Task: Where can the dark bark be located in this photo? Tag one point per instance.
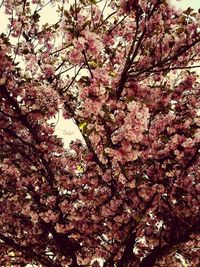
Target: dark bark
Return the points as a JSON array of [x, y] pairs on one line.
[[159, 251], [26, 250]]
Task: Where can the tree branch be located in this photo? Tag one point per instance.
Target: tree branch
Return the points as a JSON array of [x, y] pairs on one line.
[[158, 252], [132, 53], [28, 252], [161, 63]]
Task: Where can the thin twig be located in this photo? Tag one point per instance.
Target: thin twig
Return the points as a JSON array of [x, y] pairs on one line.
[[86, 62], [72, 81]]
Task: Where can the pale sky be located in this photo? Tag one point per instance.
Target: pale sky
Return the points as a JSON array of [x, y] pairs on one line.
[[184, 4]]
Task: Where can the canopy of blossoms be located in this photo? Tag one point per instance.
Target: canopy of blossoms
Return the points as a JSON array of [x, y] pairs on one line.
[[128, 196]]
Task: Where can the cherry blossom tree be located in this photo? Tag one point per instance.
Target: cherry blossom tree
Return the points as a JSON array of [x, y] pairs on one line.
[[128, 195]]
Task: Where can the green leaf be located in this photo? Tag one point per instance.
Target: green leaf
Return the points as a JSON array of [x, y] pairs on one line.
[[138, 218], [180, 30], [82, 125], [194, 14], [188, 11], [92, 64], [93, 2], [36, 17], [83, 2], [112, 74], [80, 169]]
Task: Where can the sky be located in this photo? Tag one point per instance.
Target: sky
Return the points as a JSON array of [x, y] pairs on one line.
[[66, 129], [184, 4]]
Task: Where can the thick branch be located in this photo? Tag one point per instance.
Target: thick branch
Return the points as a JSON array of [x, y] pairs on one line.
[[133, 52], [28, 252], [49, 175], [158, 252], [134, 73]]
